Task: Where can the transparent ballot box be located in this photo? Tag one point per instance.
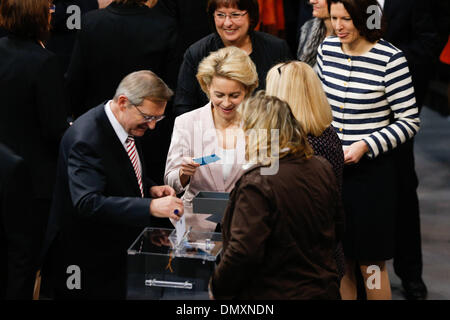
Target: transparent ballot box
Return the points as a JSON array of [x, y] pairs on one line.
[[162, 266]]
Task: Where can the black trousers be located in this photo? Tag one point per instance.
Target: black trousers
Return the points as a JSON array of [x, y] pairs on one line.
[[408, 249]]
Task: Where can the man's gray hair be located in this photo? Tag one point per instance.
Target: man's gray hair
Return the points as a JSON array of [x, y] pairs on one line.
[[141, 85]]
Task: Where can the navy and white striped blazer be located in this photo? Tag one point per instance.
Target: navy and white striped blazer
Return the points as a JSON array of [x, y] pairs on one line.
[[371, 95]]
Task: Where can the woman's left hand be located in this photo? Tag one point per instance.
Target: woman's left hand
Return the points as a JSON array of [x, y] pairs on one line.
[[354, 153]]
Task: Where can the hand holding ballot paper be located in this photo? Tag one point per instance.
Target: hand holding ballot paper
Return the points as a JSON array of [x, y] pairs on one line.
[[207, 159], [190, 165]]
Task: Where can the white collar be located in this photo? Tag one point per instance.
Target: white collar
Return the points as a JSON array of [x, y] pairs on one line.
[[118, 129]]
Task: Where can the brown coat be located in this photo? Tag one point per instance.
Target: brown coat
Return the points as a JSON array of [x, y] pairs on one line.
[[279, 234]]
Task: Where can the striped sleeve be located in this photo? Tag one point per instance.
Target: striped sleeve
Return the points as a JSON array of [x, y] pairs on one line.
[[400, 96], [319, 63]]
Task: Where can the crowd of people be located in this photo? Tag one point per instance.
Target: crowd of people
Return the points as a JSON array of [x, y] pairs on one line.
[[101, 126]]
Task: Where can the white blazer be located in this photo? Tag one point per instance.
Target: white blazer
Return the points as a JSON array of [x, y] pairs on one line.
[[194, 135]]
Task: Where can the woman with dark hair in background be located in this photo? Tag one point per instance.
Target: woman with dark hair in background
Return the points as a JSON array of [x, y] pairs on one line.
[[369, 88], [33, 113], [234, 22]]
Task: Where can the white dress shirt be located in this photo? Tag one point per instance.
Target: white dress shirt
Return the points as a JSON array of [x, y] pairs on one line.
[[119, 130]]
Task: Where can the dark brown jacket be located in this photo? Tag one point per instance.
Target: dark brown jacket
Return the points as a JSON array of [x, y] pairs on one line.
[[279, 234]]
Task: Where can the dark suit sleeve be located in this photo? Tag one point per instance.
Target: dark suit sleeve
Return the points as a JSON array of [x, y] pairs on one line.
[[19, 236], [186, 98], [88, 190], [50, 100], [150, 183]]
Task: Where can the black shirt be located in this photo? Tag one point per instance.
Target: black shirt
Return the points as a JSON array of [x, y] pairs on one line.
[[267, 51], [329, 146]]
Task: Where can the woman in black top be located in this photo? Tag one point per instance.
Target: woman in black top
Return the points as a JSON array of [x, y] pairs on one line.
[[234, 23]]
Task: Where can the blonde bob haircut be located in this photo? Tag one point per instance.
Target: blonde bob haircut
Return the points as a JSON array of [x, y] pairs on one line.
[[231, 63], [267, 121], [296, 83]]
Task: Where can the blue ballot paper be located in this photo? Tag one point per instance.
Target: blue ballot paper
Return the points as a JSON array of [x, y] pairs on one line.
[[207, 159]]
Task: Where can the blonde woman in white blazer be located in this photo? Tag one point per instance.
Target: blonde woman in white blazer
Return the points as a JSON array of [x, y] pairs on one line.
[[227, 76]]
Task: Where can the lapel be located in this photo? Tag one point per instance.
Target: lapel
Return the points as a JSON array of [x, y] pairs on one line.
[[117, 153], [209, 146], [236, 170]]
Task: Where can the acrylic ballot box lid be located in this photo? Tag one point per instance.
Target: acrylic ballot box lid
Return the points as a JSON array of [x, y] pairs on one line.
[[214, 203], [195, 245]]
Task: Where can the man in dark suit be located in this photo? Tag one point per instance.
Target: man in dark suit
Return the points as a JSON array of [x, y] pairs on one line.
[[18, 264], [411, 28], [102, 199]]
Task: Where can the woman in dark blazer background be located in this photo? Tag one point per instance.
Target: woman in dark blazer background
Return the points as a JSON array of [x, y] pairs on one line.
[[33, 113]]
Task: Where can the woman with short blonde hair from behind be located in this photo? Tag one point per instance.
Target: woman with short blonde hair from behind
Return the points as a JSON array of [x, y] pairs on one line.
[[297, 83]]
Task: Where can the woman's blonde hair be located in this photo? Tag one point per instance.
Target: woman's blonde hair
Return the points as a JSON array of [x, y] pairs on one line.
[[268, 121], [296, 83], [230, 63]]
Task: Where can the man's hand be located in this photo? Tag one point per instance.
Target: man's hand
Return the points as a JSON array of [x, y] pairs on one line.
[[354, 153], [104, 3], [162, 191], [167, 207]]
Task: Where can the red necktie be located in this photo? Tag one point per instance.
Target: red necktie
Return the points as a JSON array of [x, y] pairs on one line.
[[133, 155]]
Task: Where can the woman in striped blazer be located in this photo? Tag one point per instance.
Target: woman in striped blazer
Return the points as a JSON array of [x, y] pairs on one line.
[[369, 88]]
